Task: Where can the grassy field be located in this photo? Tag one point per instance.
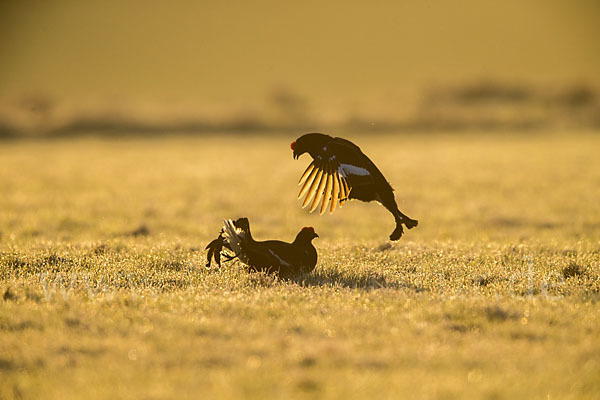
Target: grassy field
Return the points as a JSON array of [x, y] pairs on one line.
[[494, 295]]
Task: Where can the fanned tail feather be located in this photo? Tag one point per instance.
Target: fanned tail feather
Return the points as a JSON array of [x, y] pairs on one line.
[[233, 235]]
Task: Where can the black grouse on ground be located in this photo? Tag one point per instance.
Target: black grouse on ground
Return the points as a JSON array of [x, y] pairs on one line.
[[274, 256], [340, 171]]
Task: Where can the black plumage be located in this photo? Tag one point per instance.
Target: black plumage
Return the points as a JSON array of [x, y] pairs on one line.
[[340, 171], [273, 256]]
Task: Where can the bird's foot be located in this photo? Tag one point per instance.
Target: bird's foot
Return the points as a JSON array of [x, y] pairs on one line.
[[397, 234], [410, 223]]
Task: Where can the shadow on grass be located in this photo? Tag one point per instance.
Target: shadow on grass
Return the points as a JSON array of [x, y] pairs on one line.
[[370, 281]]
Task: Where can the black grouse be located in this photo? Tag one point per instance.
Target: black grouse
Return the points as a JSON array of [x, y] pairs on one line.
[[340, 171], [272, 256]]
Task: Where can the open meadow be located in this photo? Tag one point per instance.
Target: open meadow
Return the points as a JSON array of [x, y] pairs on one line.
[[104, 292]]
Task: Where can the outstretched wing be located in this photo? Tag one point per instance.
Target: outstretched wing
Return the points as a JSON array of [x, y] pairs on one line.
[[329, 178]]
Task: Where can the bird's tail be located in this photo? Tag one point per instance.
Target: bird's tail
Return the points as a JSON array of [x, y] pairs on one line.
[[233, 235], [214, 251]]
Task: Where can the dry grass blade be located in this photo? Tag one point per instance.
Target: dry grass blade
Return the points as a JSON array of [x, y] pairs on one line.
[[492, 281]]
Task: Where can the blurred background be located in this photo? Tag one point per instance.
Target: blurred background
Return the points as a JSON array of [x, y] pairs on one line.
[[114, 67]]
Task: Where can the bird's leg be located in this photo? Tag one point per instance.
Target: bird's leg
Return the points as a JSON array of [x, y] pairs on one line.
[[389, 202], [406, 220]]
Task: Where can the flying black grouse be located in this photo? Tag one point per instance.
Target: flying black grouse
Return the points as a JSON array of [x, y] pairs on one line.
[[340, 171], [286, 259]]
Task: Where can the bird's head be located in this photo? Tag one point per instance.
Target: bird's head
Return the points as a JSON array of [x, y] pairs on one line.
[[308, 232], [297, 152], [307, 143]]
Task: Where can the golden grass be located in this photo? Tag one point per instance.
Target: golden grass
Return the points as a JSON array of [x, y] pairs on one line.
[[494, 295]]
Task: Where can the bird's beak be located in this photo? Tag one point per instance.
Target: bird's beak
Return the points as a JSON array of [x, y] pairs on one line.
[[316, 234]]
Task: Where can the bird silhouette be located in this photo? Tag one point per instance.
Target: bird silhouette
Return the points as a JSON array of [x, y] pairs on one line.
[[271, 256], [339, 172]]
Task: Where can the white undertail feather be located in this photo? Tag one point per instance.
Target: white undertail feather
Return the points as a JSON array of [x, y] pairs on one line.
[[233, 235]]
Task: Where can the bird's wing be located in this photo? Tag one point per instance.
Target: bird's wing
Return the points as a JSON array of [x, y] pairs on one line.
[[335, 169], [268, 254]]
